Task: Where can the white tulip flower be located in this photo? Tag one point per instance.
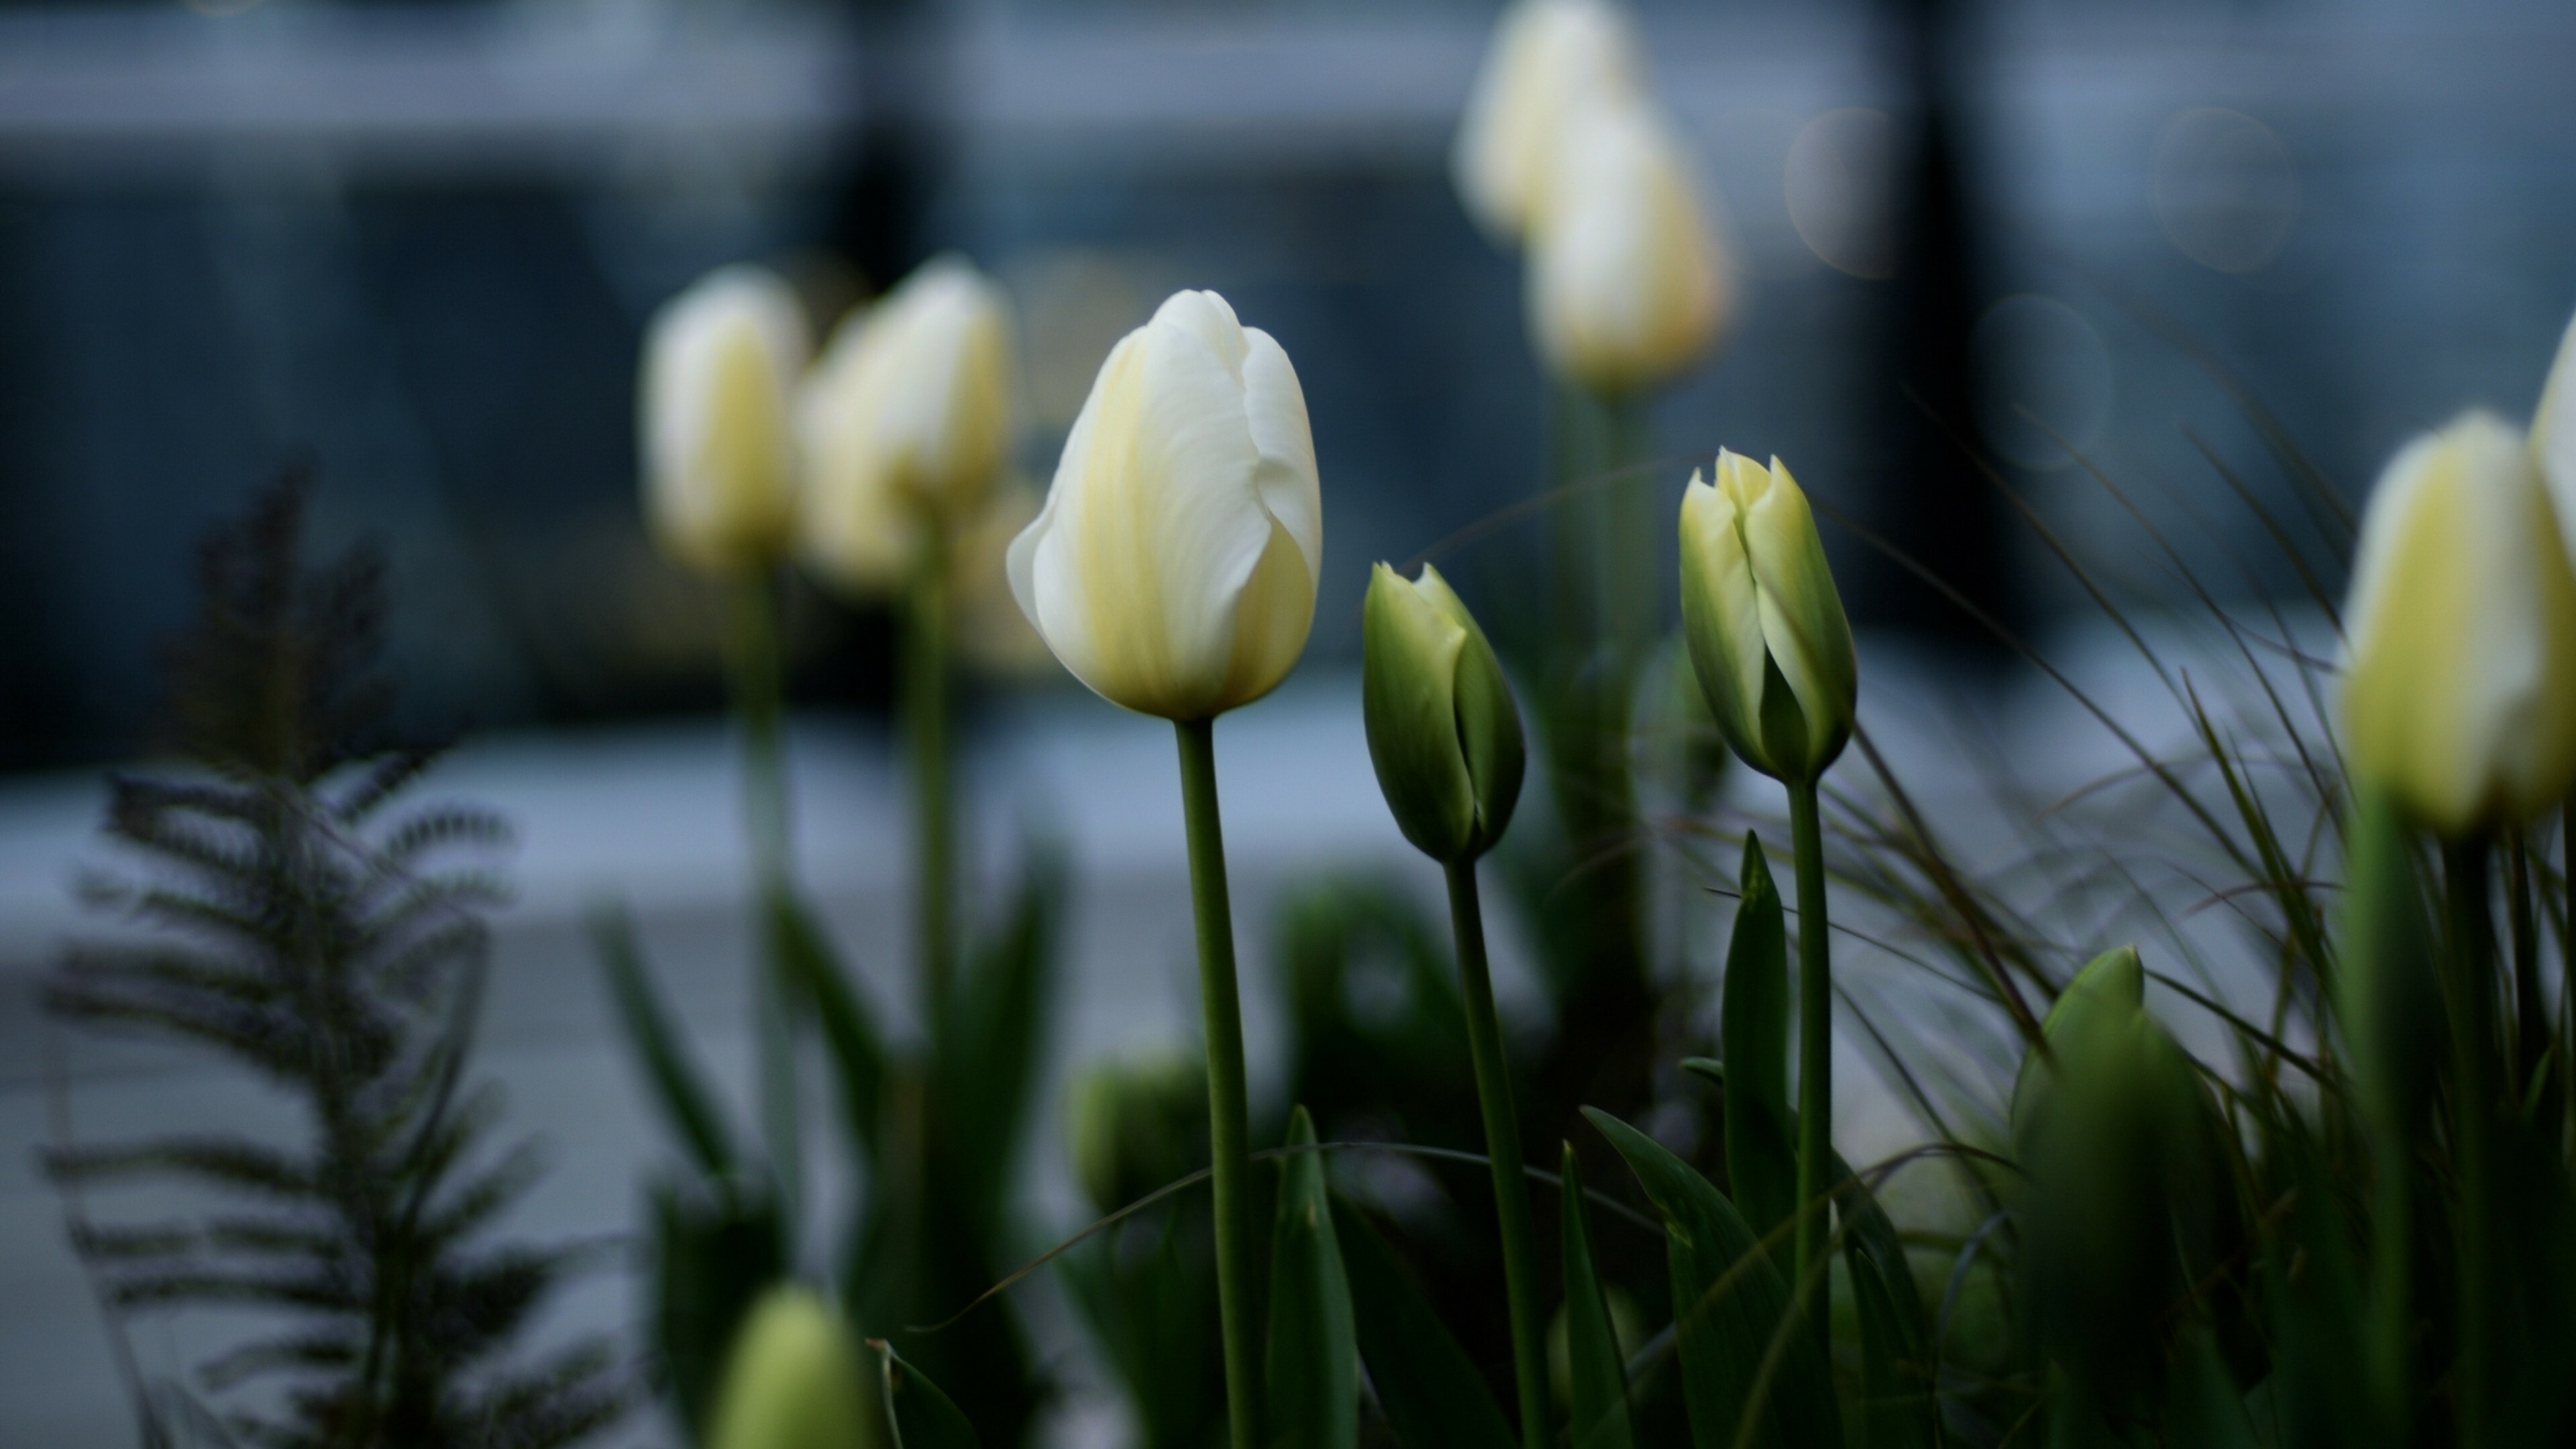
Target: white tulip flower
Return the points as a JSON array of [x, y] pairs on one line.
[[905, 423], [1759, 609], [1548, 59], [2460, 684], [1173, 567], [720, 361], [1627, 282]]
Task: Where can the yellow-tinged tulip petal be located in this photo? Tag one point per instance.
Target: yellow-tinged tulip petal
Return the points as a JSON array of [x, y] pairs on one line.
[[1443, 732], [905, 422], [2460, 687], [719, 452], [1767, 633], [1173, 568], [2553, 435], [1627, 283], [1547, 59], [791, 1379]]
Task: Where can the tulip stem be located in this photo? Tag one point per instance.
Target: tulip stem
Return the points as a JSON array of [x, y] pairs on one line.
[[1228, 1130], [2471, 955], [1815, 1034], [759, 706], [925, 704], [1503, 1153]]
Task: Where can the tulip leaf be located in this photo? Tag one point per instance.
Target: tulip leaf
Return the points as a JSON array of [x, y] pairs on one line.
[[989, 1053], [2203, 1408], [1750, 1376], [1427, 1384], [918, 1415], [1313, 1360], [2317, 1312], [812, 973], [1761, 1161], [2385, 997], [678, 1086], [1596, 1380], [1897, 1408]]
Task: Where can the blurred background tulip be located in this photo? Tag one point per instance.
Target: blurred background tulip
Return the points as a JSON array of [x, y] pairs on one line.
[[721, 363], [906, 421], [1173, 567], [1547, 63], [2461, 690], [1627, 283]]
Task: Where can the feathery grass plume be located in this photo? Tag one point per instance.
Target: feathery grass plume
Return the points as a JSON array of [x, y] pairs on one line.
[[293, 922]]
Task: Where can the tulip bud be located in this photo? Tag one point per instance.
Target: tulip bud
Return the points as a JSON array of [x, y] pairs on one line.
[[2459, 690], [905, 423], [1766, 628], [1548, 59], [1627, 285], [720, 360], [2553, 435], [1442, 729], [1173, 568], [791, 1380]]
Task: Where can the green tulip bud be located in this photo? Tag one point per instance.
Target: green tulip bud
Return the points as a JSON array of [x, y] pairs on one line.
[[791, 1380], [1766, 628], [1442, 729]]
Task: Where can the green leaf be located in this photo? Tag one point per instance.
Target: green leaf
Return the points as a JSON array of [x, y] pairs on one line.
[[2203, 1408], [1596, 1381], [1430, 1389], [1761, 1160], [678, 1086], [989, 1049], [2318, 1315], [1313, 1362], [1750, 1376], [811, 972], [1897, 1410], [918, 1415]]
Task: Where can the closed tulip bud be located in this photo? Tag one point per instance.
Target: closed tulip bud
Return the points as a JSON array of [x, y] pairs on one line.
[[1173, 567], [1767, 634], [905, 423], [1547, 59], [2459, 691], [720, 364], [791, 1379], [1627, 285], [2553, 435], [1442, 729]]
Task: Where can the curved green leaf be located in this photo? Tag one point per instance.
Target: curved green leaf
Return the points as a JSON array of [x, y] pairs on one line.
[[1596, 1381], [1313, 1362], [677, 1084], [918, 1415], [1749, 1376], [1430, 1389], [1753, 1031]]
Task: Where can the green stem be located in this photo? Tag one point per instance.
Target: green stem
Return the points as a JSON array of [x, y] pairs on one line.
[[926, 734], [759, 708], [1228, 1131], [1632, 581], [2393, 1264], [1815, 1033], [1503, 1152], [2469, 957]]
